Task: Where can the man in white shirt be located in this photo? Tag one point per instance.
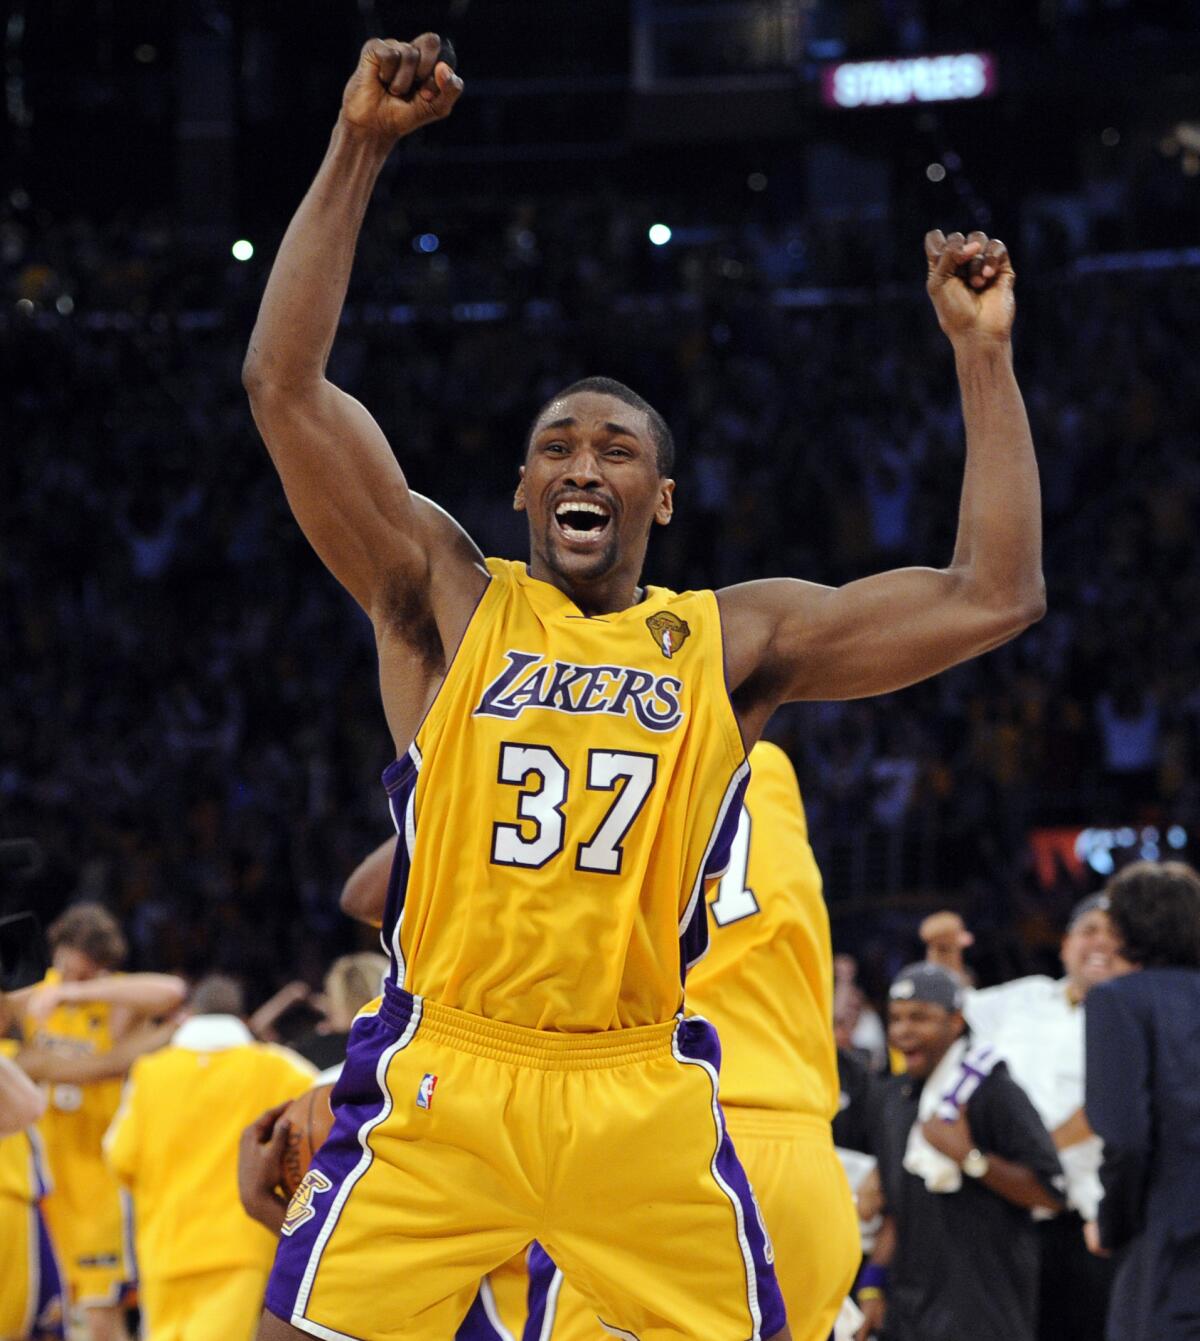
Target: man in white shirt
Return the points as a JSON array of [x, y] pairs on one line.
[[1036, 1025]]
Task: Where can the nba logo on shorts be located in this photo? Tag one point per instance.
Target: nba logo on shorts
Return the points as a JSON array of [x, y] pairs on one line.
[[425, 1091]]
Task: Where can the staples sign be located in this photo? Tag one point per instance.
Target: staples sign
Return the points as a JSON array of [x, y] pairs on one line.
[[893, 83]]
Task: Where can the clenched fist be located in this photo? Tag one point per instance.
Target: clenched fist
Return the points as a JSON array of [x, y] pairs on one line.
[[971, 285], [399, 87]]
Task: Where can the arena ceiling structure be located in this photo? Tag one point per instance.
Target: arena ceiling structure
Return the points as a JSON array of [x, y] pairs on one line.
[[865, 116]]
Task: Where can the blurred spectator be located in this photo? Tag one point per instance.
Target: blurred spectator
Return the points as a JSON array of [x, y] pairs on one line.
[[857, 1027], [1037, 1025], [1143, 1098], [352, 981]]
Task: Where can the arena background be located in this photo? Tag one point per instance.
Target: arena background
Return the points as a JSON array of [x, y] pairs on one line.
[[668, 193]]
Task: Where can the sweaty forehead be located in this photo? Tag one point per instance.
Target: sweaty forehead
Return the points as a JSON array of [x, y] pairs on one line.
[[592, 410]]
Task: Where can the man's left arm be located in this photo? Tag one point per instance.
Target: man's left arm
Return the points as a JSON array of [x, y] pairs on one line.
[[364, 895], [1002, 1123], [786, 639]]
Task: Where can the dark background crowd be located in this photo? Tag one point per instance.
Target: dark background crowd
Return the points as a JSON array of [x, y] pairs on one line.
[[189, 725]]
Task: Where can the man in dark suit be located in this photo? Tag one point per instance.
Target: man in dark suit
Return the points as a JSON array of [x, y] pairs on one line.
[[1143, 1099]]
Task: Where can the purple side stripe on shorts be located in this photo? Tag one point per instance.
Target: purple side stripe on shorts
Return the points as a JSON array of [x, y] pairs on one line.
[[480, 1324], [49, 1306], [360, 1102], [545, 1279], [696, 1043]]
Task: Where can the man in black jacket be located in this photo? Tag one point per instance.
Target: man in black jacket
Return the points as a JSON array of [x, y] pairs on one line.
[[1143, 1098], [965, 1160]]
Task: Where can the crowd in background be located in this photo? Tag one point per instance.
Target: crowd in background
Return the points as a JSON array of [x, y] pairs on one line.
[[192, 731]]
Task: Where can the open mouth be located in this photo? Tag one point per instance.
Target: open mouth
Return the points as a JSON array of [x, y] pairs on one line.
[[582, 522]]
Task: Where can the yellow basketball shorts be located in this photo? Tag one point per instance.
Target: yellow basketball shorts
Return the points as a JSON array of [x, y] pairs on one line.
[[458, 1140], [218, 1305], [87, 1227], [806, 1203], [30, 1285], [501, 1306]]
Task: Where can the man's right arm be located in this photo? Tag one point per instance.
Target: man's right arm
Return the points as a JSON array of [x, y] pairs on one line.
[[21, 1102], [342, 481]]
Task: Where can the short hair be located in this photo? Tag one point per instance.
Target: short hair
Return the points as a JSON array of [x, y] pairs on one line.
[[92, 930], [664, 441], [353, 980], [218, 994], [1155, 907]]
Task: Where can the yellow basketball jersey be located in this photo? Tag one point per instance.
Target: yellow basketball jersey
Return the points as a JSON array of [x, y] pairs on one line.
[[77, 1116], [573, 784], [174, 1144], [23, 1173], [767, 981]]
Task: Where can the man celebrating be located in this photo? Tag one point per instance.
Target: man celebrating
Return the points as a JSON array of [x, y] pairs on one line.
[[83, 1011], [571, 761], [965, 1159]]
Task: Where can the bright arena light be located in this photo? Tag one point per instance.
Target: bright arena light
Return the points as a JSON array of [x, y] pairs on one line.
[[426, 243], [659, 234], [242, 250]]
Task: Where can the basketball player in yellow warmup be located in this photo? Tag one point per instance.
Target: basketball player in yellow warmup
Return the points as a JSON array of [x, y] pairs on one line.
[[202, 1262], [767, 984], [571, 760], [31, 1303], [31, 1292], [82, 1009]]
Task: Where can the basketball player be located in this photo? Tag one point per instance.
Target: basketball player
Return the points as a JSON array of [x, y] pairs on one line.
[[30, 1283], [571, 763], [82, 1009], [767, 984], [31, 1294], [202, 1262]]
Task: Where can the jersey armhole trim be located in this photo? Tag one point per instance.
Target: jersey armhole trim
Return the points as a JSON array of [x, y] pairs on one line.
[[733, 730], [499, 582]]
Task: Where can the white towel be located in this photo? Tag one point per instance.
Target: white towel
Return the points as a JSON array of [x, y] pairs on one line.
[[847, 1322], [952, 1082], [1081, 1164]]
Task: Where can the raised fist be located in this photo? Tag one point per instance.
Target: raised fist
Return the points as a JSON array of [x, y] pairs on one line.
[[971, 285], [399, 87]]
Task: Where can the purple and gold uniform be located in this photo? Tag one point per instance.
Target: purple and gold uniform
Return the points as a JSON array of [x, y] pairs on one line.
[[767, 983], [30, 1286], [526, 1074], [83, 1212], [202, 1262]]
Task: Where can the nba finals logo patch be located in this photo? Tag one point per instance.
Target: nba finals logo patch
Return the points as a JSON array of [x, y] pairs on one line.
[[300, 1209], [425, 1091], [668, 631]]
